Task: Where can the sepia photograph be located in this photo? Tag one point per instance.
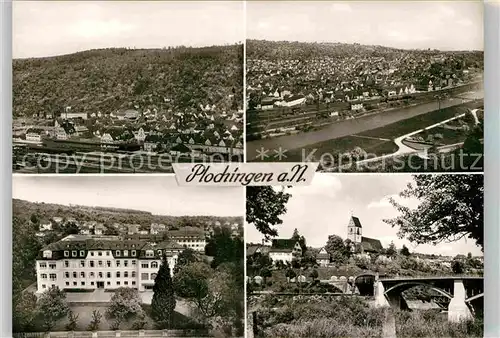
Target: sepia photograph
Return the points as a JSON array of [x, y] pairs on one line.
[[126, 86], [136, 256], [366, 256], [366, 86]]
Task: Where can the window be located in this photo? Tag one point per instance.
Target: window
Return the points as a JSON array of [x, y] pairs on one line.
[[75, 284], [82, 283], [154, 264], [153, 276], [53, 276], [82, 253], [52, 266], [92, 283], [108, 283], [125, 253], [92, 253], [100, 264], [66, 274], [125, 274], [92, 275], [117, 263], [149, 253], [107, 253], [133, 273], [74, 274], [108, 274], [66, 264], [133, 253], [144, 276], [126, 282], [125, 263], [74, 253], [82, 264], [99, 253], [82, 274], [145, 265], [133, 282], [118, 274], [118, 283], [66, 253], [108, 264], [100, 274], [159, 253], [67, 283], [117, 253], [44, 286], [43, 265], [134, 262], [91, 264], [44, 276]]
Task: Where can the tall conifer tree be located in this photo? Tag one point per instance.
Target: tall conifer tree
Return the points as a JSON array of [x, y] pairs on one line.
[[163, 303]]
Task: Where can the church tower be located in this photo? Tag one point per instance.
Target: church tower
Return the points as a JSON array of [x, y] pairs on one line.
[[354, 230]]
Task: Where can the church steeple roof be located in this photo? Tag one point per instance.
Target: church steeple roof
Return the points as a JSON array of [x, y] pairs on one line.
[[356, 221]]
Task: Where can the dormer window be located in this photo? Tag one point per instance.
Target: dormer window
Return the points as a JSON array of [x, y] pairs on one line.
[[133, 253], [117, 253], [74, 253], [66, 253], [47, 254], [159, 253], [82, 253], [125, 253], [149, 253]]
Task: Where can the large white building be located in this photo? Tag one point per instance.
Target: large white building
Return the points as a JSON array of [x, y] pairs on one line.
[[103, 262]]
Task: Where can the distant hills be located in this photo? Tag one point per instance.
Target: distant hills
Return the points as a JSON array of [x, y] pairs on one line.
[[107, 80], [24, 210], [264, 49]]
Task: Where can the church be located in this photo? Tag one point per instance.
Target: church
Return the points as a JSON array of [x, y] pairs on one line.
[[362, 244]]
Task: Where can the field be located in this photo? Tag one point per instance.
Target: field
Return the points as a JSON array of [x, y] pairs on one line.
[[376, 141]]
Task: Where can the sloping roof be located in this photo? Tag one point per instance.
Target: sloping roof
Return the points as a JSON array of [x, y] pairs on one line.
[[281, 243], [356, 221], [371, 244]]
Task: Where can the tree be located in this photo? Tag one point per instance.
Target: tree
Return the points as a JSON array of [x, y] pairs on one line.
[[186, 257], [265, 273], [264, 207], [163, 302], [24, 311], [451, 207], [52, 306], [314, 274], [34, 219], [337, 250], [72, 321], [457, 266], [226, 248], [405, 251], [391, 250], [124, 305], [95, 321]]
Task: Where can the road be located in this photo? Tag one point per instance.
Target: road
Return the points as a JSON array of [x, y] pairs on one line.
[[354, 126]]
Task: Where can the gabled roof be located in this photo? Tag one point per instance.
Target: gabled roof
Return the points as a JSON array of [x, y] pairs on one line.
[[282, 243], [356, 221], [371, 244]]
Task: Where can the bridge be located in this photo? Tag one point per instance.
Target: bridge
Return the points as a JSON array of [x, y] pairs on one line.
[[465, 293]]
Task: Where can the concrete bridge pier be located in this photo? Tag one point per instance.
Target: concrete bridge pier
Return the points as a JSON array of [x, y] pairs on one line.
[[458, 309], [379, 293]]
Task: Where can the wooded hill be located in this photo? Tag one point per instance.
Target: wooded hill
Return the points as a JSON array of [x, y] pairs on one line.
[[24, 210], [107, 80]]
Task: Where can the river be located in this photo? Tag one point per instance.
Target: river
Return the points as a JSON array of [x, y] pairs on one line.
[[353, 126]]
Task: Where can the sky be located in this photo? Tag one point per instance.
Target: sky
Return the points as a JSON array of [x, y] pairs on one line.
[[324, 208], [159, 195], [47, 28], [444, 25]]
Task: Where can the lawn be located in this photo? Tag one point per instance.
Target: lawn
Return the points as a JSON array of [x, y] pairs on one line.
[[85, 317]]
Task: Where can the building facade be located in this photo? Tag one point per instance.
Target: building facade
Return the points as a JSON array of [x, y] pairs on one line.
[[102, 262]]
